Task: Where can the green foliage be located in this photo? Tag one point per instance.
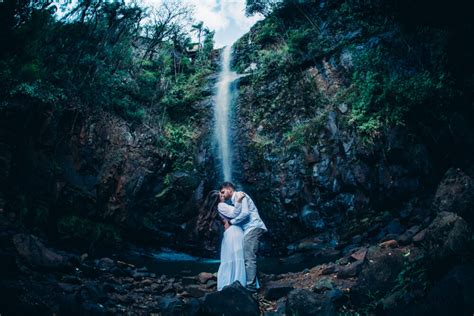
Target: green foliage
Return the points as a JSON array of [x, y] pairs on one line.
[[260, 142], [184, 93], [268, 32], [84, 230], [303, 133], [178, 141], [298, 40], [94, 57], [129, 109], [38, 92], [179, 138], [381, 98], [305, 45], [264, 7], [273, 63]]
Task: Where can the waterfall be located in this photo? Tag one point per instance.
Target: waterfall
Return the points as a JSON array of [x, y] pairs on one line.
[[222, 105]]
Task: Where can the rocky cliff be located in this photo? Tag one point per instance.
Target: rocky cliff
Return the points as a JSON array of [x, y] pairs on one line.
[[350, 115], [90, 176]]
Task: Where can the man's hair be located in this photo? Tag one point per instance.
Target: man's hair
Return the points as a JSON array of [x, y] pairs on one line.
[[227, 185]]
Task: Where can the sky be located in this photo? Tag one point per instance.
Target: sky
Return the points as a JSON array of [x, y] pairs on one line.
[[226, 17]]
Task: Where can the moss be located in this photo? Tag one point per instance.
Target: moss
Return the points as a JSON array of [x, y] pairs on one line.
[[304, 133], [382, 96]]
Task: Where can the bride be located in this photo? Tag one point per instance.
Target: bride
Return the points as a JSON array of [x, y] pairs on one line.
[[232, 266]]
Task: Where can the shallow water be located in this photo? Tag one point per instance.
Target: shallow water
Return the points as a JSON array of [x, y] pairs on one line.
[[172, 263]]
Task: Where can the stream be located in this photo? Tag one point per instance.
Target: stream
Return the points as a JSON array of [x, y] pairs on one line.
[[171, 263]]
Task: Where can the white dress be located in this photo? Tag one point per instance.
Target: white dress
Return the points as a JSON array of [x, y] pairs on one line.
[[232, 266]]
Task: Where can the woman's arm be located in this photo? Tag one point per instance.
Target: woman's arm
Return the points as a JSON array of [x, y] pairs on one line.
[[243, 214], [228, 211]]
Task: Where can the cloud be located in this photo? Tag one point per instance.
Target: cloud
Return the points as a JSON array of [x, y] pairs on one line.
[[235, 10], [209, 12], [226, 17]]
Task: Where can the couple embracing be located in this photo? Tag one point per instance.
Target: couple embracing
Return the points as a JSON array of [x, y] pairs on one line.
[[243, 229]]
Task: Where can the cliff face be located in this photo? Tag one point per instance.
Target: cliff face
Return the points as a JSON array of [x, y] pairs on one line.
[[345, 121], [90, 176]]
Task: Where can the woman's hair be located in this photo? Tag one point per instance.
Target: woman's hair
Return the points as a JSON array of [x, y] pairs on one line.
[[212, 199], [208, 212]]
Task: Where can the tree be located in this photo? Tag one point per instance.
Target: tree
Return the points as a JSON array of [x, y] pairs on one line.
[[167, 20], [264, 7], [198, 29]]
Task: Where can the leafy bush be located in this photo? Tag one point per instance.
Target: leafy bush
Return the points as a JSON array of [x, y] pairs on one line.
[[273, 62], [382, 97], [38, 92], [183, 94], [268, 33], [302, 133], [178, 141]]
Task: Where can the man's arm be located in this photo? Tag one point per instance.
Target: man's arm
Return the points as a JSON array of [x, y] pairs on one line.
[[244, 213]]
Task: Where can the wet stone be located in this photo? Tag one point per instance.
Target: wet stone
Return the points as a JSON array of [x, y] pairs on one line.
[[323, 284], [274, 290]]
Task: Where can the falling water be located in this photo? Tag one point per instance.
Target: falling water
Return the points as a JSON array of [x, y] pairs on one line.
[[222, 104]]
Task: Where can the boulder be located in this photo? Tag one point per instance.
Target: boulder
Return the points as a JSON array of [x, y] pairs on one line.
[[389, 244], [360, 254], [455, 194], [350, 270], [173, 306], [204, 277], [379, 272], [280, 308], [323, 284], [330, 268], [195, 290], [211, 284], [407, 237], [188, 280], [306, 303], [447, 239], [451, 295], [419, 237], [234, 299], [275, 290], [36, 253]]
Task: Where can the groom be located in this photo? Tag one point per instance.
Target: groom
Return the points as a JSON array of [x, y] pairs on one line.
[[253, 227]]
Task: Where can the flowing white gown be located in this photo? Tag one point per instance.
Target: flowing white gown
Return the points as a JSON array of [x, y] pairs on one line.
[[232, 267]]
